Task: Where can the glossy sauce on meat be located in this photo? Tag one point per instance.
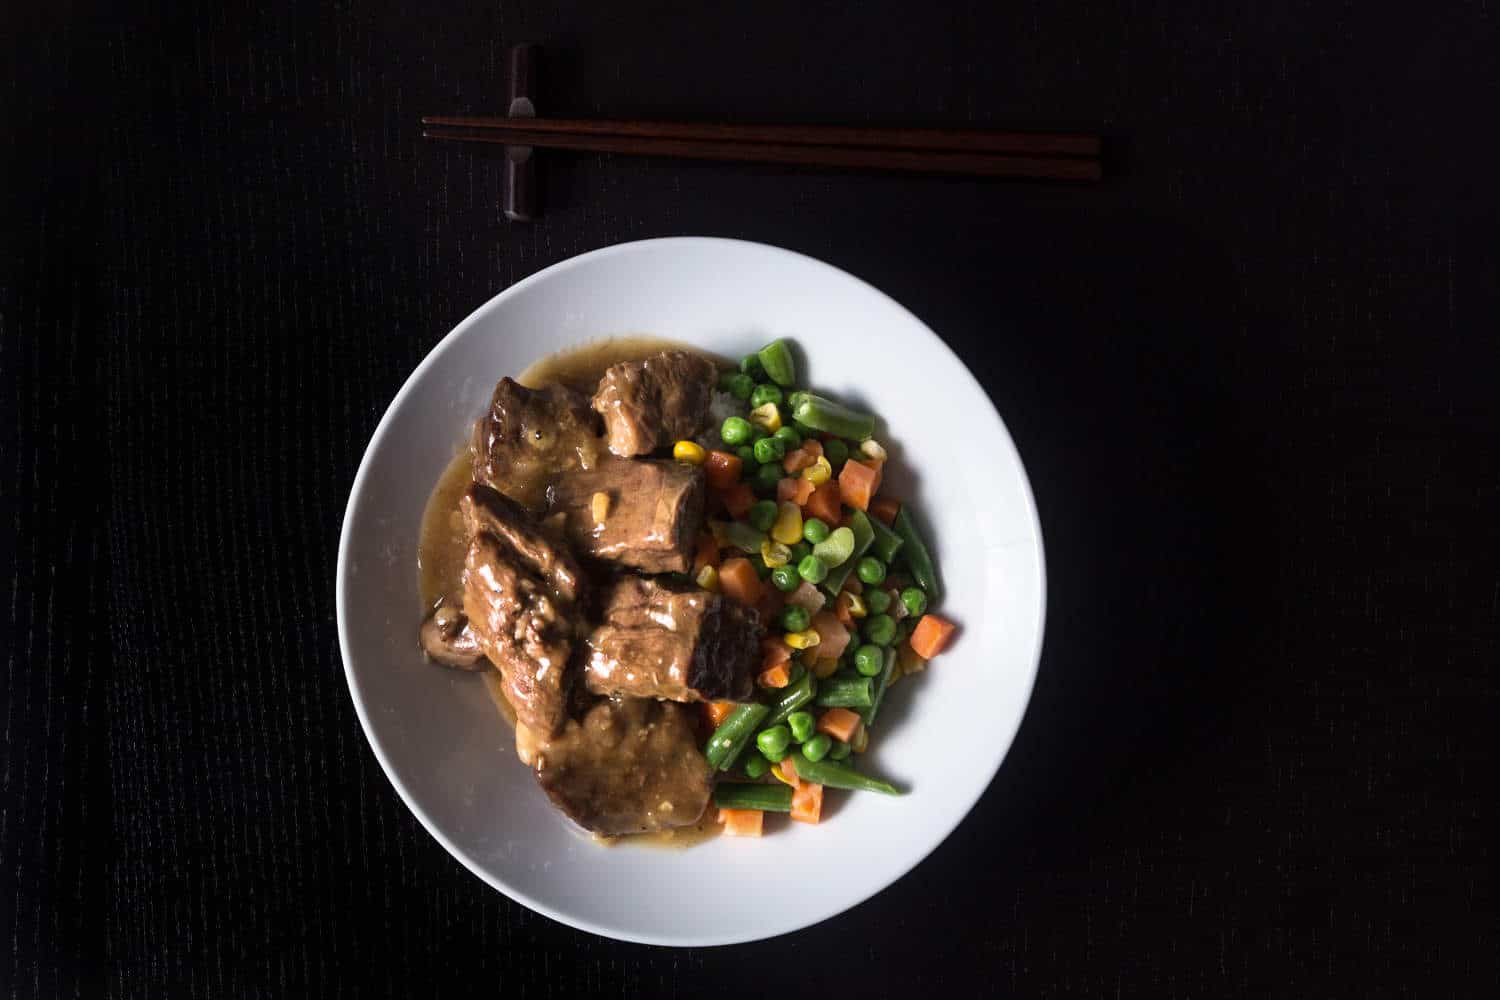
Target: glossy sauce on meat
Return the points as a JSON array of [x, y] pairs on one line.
[[443, 542]]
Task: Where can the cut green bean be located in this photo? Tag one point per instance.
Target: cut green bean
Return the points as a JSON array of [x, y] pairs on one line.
[[916, 556], [887, 543], [832, 774], [833, 418], [729, 740], [776, 359], [793, 697], [738, 795], [864, 535], [846, 692], [882, 682]]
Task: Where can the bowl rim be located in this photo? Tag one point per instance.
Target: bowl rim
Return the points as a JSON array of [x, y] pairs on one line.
[[359, 487]]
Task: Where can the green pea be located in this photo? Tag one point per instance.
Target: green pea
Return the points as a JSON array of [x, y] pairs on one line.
[[758, 433], [915, 600], [736, 430], [870, 570], [869, 660], [773, 742], [756, 766], [836, 451], [768, 450], [751, 366], [800, 551], [764, 394], [812, 569], [880, 629], [878, 601], [789, 437], [766, 478], [840, 751], [740, 386], [817, 748], [802, 725], [785, 578], [762, 515], [746, 455], [726, 378], [795, 618], [815, 530]]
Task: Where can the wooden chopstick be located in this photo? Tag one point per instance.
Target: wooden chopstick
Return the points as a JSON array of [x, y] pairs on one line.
[[1015, 160], [947, 139]]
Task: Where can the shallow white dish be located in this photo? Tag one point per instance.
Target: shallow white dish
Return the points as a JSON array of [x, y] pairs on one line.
[[942, 735]]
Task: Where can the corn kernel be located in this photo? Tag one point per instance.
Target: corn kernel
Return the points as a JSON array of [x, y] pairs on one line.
[[819, 472], [855, 603], [774, 553], [802, 640], [825, 667], [599, 506], [708, 578], [872, 450], [689, 452], [788, 526], [767, 417], [780, 775]]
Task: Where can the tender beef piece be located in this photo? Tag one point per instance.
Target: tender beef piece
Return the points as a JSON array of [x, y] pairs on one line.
[[520, 592], [448, 640], [627, 765], [487, 511], [649, 404], [654, 515], [679, 643], [531, 431]]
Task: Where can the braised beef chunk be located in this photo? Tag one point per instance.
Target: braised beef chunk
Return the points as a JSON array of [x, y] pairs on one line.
[[680, 643], [530, 431], [520, 591], [448, 640], [627, 766], [649, 404], [653, 511], [488, 511]]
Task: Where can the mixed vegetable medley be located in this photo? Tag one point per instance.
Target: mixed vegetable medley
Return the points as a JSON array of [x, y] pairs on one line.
[[839, 573]]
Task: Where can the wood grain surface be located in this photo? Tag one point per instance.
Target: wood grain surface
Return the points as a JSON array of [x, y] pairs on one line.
[[1252, 377]]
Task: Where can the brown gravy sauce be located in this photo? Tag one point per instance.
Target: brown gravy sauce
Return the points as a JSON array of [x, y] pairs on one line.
[[442, 544]]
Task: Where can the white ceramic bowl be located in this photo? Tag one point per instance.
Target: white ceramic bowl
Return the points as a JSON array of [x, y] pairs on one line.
[[942, 735]]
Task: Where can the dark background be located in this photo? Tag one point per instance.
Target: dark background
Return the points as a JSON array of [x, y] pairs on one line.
[[1252, 378]]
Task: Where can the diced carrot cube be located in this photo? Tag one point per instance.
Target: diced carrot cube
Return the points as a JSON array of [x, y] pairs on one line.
[[722, 469], [778, 676], [794, 490], [807, 802], [840, 723], [833, 637], [742, 822], [825, 503], [789, 770], [931, 636], [737, 579], [718, 711], [738, 499], [858, 483], [797, 460], [707, 553]]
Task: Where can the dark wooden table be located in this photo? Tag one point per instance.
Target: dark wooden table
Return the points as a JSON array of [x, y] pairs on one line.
[[1253, 378]]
